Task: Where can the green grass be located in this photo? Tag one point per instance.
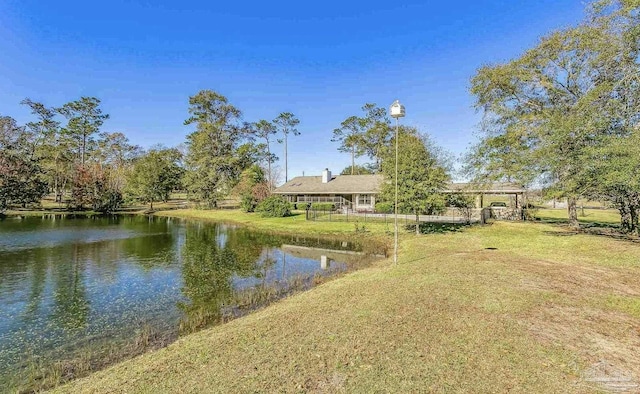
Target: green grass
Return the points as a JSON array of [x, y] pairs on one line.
[[291, 224], [605, 217], [517, 307]]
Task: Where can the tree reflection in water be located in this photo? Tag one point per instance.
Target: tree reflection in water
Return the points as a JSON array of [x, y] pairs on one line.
[[76, 289], [212, 256]]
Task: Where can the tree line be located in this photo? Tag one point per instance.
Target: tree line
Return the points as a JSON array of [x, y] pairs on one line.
[[63, 151], [566, 114]]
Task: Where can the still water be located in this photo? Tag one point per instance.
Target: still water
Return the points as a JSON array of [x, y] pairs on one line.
[[69, 283]]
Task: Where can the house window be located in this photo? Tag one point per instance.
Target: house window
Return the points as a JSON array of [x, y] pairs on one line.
[[364, 199]]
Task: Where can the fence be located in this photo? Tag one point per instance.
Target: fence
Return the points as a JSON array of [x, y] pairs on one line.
[[451, 216]]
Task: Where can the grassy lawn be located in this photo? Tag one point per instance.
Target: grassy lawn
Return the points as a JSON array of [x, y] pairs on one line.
[[292, 224], [518, 307], [603, 217]]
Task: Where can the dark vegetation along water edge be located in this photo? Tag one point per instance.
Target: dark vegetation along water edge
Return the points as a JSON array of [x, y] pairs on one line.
[[85, 272]]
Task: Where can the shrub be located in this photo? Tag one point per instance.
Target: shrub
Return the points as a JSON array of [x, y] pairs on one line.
[[384, 207], [108, 201], [274, 206], [248, 203], [463, 204], [323, 206]]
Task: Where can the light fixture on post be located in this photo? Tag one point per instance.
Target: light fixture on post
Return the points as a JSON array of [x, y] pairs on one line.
[[396, 111]]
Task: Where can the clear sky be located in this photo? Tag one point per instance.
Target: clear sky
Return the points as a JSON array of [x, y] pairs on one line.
[[321, 60]]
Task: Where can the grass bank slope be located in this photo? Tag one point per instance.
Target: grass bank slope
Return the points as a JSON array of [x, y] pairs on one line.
[[291, 224], [509, 307]]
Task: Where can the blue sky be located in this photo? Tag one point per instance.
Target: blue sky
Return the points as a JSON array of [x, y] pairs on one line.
[[320, 60]]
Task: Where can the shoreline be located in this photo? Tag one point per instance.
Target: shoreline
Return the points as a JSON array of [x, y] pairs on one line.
[[471, 309], [460, 308], [90, 360]]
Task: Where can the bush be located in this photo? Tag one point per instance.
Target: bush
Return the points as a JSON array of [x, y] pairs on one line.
[[274, 207], [323, 206], [464, 204], [384, 207], [248, 203], [108, 201]]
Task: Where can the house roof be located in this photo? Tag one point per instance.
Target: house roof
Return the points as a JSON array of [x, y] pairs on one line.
[[487, 188], [371, 184], [339, 184]]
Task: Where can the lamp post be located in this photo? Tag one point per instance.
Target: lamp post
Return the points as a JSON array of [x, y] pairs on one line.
[[396, 111]]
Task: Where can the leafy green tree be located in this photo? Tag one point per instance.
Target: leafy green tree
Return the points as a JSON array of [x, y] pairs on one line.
[[52, 147], [217, 152], [502, 157], [612, 173], [91, 188], [116, 155], [611, 169], [20, 181], [85, 118], [13, 138], [358, 170], [45, 127], [252, 188], [286, 124], [154, 175], [421, 177], [463, 203], [546, 110], [21, 178]]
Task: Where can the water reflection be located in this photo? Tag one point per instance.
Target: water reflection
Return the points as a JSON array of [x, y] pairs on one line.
[[71, 305], [69, 284]]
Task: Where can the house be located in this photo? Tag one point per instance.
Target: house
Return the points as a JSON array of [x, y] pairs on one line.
[[356, 192], [359, 192]]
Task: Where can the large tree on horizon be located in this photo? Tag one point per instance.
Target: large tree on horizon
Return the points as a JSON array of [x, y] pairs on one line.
[[266, 130], [546, 110], [365, 135], [85, 118], [218, 150], [350, 135], [53, 148]]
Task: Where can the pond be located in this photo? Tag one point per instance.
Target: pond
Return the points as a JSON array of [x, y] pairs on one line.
[[72, 287]]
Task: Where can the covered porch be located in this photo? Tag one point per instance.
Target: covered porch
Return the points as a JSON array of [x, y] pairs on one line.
[[358, 202], [492, 196]]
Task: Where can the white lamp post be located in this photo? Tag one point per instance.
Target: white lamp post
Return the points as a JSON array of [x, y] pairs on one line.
[[396, 111]]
